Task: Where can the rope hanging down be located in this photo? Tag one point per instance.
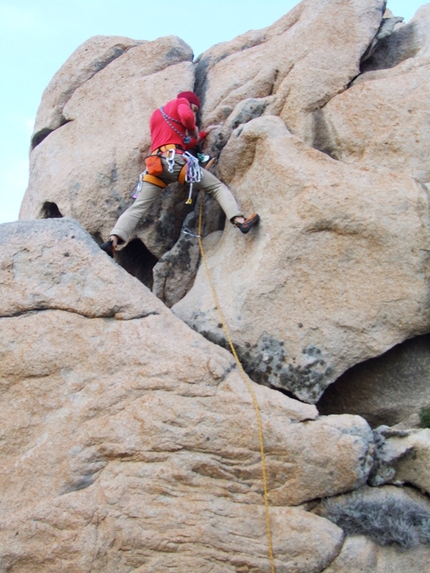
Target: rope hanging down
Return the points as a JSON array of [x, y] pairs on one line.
[[251, 391]]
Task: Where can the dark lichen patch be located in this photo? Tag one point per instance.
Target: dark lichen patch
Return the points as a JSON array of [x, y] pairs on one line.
[[268, 363]]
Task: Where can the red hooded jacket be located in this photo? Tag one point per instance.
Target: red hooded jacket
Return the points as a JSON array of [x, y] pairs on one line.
[[162, 133]]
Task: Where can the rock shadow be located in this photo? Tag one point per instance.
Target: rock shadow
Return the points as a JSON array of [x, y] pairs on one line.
[[384, 390]]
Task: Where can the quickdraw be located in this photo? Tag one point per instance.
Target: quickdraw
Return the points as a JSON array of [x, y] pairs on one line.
[[187, 231], [138, 187], [193, 174], [170, 159]]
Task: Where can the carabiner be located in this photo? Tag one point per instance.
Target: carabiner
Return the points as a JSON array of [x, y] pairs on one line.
[[171, 160], [188, 232]]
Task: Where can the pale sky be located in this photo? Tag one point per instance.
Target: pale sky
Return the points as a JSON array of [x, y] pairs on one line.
[[37, 36]]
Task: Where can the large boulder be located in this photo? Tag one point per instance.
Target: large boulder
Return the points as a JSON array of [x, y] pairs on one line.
[[382, 120], [337, 271], [86, 61], [87, 167], [323, 245], [301, 61], [127, 439], [130, 441]]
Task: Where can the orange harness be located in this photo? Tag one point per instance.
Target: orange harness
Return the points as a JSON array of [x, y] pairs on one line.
[[154, 167]]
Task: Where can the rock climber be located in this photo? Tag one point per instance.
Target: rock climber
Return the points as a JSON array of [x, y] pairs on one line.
[[173, 132]]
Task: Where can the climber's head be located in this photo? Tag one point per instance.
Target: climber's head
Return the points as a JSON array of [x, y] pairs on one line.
[[192, 98]]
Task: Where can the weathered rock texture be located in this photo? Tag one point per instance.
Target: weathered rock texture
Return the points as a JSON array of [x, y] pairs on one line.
[[88, 166], [339, 263], [402, 457], [384, 118], [299, 63], [360, 555], [337, 275], [91, 57], [129, 440], [120, 448]]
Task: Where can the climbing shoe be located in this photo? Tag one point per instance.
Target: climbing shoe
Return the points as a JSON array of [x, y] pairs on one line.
[[252, 221], [108, 248]]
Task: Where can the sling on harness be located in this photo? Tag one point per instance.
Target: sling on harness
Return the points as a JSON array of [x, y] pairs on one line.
[[168, 119]]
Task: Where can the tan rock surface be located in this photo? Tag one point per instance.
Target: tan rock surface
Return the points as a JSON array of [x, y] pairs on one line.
[[86, 168], [86, 61], [51, 272], [120, 448], [335, 273], [383, 119], [402, 457], [302, 60], [360, 555], [413, 468], [127, 440], [89, 166]]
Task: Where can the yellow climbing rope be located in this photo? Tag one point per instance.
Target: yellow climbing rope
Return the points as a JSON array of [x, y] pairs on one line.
[[245, 377]]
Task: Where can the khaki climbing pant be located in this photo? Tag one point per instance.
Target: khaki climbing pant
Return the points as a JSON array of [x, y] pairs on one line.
[[151, 193]]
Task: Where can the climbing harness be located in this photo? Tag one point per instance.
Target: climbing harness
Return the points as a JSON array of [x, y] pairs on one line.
[[190, 173], [193, 174], [168, 119], [245, 378]]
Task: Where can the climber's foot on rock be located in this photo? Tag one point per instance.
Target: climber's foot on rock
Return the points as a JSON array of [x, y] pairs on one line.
[[245, 225]]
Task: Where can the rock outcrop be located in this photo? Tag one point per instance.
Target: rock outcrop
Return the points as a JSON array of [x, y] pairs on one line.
[[120, 448], [129, 438], [329, 226], [86, 167], [336, 273], [382, 120]]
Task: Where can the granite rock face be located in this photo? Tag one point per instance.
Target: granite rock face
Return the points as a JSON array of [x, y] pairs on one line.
[[336, 272], [383, 119], [360, 555], [299, 63], [89, 59], [339, 263], [120, 447], [128, 440], [402, 457], [87, 167]]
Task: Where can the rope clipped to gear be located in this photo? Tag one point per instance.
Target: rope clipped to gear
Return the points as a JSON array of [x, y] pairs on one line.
[[193, 174], [251, 391]]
